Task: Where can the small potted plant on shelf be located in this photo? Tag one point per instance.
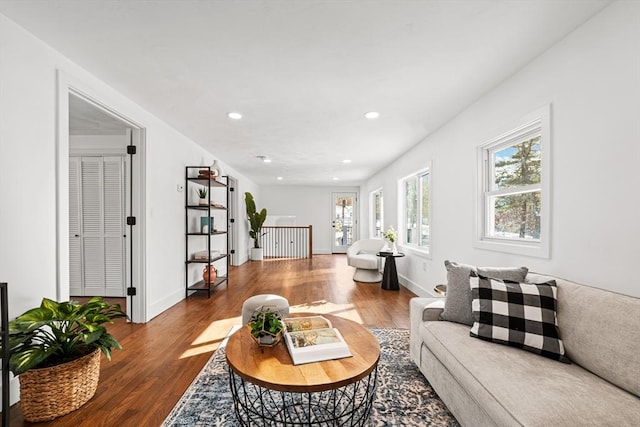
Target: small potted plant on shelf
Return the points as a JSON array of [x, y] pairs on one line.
[[267, 326], [55, 349], [202, 194]]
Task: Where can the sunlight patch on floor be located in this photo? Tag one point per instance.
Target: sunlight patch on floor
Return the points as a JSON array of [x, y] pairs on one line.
[[346, 311], [212, 337]]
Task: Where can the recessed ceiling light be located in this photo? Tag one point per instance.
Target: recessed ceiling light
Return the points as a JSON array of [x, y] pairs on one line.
[[335, 178], [234, 115], [372, 115], [345, 161], [280, 178]]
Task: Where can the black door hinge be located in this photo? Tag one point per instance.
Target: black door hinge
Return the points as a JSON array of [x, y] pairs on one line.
[[233, 251], [232, 189], [131, 291], [131, 220], [232, 220], [131, 149]]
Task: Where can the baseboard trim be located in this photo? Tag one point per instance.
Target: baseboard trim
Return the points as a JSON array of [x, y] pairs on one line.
[[14, 390], [415, 288], [165, 303]]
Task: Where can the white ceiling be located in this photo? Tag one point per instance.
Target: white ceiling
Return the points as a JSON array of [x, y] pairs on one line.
[[86, 119], [303, 72]]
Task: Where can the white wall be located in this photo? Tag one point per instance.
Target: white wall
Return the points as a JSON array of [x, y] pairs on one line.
[[28, 107], [592, 81], [310, 205]]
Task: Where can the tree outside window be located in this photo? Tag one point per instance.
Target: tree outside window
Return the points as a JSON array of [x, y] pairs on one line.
[[377, 210], [416, 192], [515, 199]]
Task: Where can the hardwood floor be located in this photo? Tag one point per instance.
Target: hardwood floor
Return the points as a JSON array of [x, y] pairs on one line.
[[143, 382]]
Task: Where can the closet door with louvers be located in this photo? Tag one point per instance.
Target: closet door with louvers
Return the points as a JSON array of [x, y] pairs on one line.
[[101, 227], [75, 228]]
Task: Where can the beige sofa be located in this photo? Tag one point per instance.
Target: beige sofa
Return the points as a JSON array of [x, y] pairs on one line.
[[488, 384]]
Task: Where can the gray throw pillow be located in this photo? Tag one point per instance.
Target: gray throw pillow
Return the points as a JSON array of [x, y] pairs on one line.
[[457, 305]]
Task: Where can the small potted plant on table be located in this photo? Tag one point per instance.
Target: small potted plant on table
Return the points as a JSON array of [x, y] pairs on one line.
[[266, 327], [55, 349]]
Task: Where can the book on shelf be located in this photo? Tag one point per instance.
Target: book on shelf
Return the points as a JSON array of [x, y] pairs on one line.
[[313, 339]]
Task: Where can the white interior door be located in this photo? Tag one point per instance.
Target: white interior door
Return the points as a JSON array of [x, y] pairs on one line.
[[344, 210], [96, 225], [75, 219]]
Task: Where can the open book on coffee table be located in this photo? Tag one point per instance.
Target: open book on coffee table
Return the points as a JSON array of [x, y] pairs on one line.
[[313, 339]]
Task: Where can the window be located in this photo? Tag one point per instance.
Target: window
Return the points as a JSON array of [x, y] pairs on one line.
[[416, 190], [377, 222], [513, 209]]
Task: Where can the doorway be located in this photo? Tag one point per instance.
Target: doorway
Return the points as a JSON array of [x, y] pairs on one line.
[[79, 113], [98, 202], [344, 210]]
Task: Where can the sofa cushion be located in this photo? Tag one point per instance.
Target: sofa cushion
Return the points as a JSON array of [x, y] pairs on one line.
[[600, 331], [512, 384], [457, 306], [517, 314]]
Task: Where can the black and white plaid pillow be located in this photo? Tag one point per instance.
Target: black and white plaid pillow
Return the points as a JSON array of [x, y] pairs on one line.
[[517, 314]]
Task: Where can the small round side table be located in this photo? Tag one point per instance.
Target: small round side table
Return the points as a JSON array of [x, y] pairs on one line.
[[390, 274], [440, 289]]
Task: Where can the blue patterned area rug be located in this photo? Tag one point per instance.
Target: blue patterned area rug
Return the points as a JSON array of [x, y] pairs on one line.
[[403, 397]]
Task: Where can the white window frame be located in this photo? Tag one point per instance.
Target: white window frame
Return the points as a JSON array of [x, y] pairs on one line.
[[534, 124], [372, 203], [417, 249]]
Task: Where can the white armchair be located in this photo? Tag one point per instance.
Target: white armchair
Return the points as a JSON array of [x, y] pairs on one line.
[[362, 255]]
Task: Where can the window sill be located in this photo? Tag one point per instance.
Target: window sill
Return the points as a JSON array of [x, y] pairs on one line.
[[537, 250], [415, 251]]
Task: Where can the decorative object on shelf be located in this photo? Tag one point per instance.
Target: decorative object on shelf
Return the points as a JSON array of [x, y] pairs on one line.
[[207, 225], [215, 168], [202, 194], [391, 236], [204, 255], [256, 220], [209, 274], [207, 174], [55, 348], [267, 326]]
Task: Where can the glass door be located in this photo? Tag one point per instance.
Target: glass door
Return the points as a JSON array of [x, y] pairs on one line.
[[343, 227]]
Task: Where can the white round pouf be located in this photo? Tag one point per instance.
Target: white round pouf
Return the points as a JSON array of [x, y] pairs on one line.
[[264, 300]]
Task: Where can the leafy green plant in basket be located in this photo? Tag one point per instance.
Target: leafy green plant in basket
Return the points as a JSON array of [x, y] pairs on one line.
[[59, 332]]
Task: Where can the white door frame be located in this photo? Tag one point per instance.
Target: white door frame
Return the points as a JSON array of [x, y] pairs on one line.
[[232, 212], [66, 85]]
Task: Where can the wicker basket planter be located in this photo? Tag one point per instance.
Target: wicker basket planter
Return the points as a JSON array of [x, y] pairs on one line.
[[48, 393]]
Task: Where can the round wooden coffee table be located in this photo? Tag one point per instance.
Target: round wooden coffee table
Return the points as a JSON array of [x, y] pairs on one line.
[[268, 389]]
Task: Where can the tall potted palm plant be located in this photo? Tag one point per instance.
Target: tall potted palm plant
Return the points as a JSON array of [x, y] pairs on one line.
[[256, 221], [55, 349]]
